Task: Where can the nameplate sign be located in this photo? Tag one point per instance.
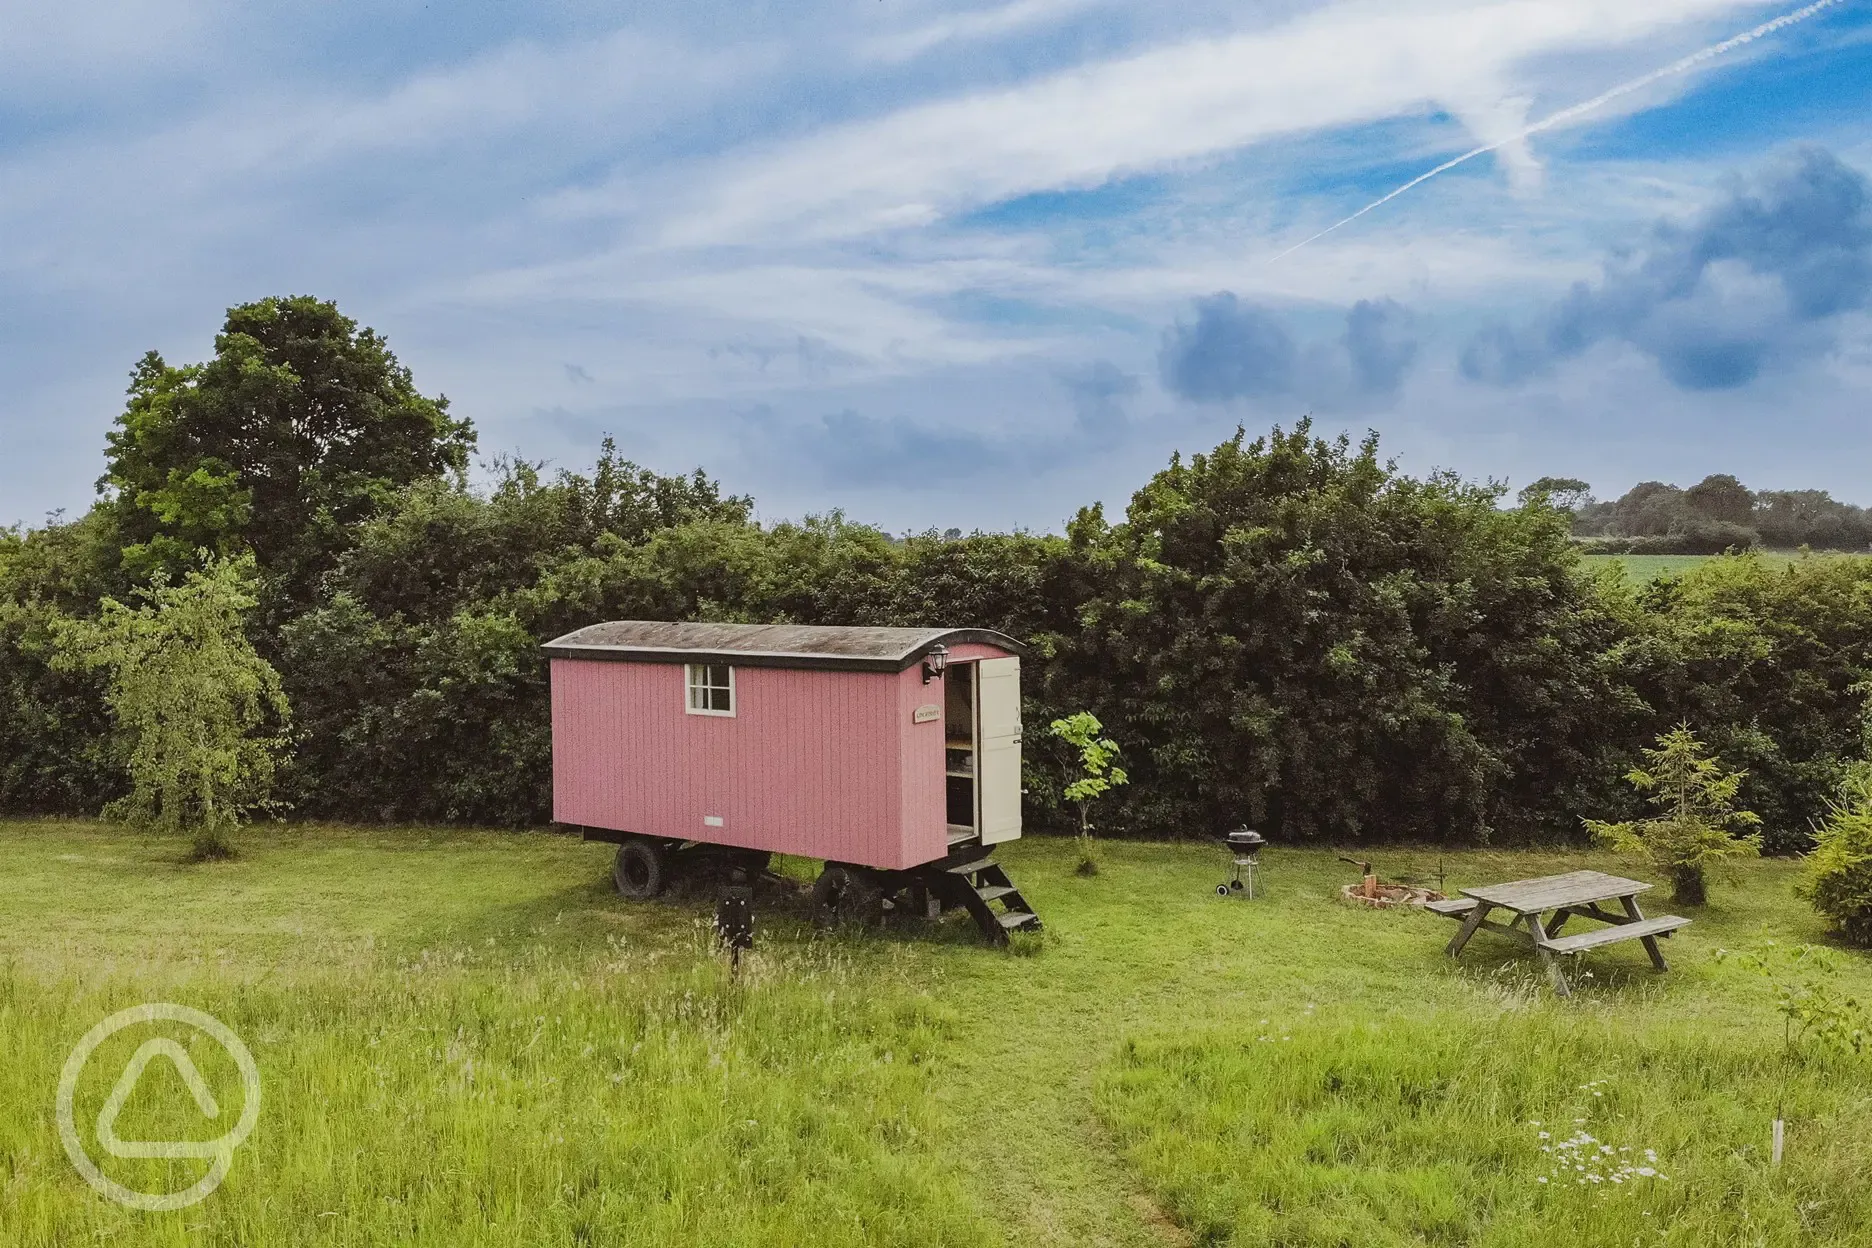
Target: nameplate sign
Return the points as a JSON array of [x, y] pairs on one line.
[[928, 713]]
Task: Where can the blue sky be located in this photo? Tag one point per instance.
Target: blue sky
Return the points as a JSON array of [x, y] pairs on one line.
[[964, 264]]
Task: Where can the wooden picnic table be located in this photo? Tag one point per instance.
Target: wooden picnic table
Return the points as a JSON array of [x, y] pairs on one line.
[[1576, 894]]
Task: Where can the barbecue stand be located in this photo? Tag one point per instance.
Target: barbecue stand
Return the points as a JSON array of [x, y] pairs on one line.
[[1245, 845]]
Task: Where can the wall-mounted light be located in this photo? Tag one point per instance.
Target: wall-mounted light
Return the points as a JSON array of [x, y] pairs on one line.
[[935, 663]]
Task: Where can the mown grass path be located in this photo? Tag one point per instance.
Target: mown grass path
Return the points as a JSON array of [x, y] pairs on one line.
[[469, 1039]]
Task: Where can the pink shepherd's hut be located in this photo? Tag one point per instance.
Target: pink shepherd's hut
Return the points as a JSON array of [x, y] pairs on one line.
[[891, 753]]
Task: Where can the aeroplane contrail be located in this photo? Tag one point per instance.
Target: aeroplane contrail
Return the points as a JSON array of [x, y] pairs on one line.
[[1565, 115]]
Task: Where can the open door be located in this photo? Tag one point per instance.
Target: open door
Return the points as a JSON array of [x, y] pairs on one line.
[[998, 748], [959, 752]]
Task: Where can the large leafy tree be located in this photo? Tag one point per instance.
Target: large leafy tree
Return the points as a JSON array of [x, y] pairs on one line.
[[54, 724], [1568, 494], [1721, 497], [300, 427], [419, 684], [1772, 663], [1290, 633]]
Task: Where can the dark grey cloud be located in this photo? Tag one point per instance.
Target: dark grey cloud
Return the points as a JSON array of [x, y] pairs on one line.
[[1761, 277], [814, 358], [849, 448], [1099, 394], [1236, 349], [852, 448], [1381, 344], [577, 373]]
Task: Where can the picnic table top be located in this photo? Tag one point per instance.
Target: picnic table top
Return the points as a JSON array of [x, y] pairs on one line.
[[1550, 892]]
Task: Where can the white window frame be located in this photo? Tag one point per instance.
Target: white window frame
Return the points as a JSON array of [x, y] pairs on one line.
[[695, 679]]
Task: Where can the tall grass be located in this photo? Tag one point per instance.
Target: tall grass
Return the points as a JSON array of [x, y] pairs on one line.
[[455, 1101], [469, 1039], [1536, 1126]]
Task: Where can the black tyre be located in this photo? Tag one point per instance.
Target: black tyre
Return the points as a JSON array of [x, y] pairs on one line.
[[848, 896], [641, 869], [1222, 890]]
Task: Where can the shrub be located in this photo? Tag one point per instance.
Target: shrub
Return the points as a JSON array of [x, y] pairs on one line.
[[1698, 826], [1099, 773], [192, 699], [1839, 871]]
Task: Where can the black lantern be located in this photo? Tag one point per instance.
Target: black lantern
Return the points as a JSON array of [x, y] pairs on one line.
[[734, 918], [935, 663]]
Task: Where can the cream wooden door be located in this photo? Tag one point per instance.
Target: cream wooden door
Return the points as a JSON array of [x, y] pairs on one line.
[[998, 748]]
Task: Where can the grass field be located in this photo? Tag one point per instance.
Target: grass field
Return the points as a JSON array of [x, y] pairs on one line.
[[1651, 567], [467, 1039]]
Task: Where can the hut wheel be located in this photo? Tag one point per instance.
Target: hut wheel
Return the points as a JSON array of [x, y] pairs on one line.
[[641, 869]]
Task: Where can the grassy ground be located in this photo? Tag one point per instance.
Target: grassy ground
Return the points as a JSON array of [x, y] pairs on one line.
[[1651, 567], [468, 1039]]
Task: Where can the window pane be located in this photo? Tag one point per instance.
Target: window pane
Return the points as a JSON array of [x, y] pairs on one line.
[[710, 687]]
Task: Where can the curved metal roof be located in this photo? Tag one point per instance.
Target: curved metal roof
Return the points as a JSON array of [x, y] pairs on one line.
[[768, 645]]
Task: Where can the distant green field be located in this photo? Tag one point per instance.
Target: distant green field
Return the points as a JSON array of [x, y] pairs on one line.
[[1650, 567]]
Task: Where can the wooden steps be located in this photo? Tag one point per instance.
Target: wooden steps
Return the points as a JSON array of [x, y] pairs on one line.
[[977, 883]]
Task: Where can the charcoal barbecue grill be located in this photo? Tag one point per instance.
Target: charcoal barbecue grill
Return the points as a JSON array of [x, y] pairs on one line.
[[1245, 845]]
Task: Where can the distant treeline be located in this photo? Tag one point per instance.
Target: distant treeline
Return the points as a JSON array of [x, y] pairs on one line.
[[1715, 515], [1284, 632]]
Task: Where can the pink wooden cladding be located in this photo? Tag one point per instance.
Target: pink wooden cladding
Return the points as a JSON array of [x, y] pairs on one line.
[[922, 789], [820, 764]]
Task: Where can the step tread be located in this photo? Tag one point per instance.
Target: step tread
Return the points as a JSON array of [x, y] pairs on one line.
[[970, 868], [1016, 918], [994, 891]]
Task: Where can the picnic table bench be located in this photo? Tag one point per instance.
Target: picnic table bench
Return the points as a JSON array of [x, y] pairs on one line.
[[1576, 894]]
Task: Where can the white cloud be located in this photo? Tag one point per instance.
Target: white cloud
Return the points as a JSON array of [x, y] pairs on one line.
[[967, 26], [51, 50], [147, 199], [830, 267], [1346, 65]]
